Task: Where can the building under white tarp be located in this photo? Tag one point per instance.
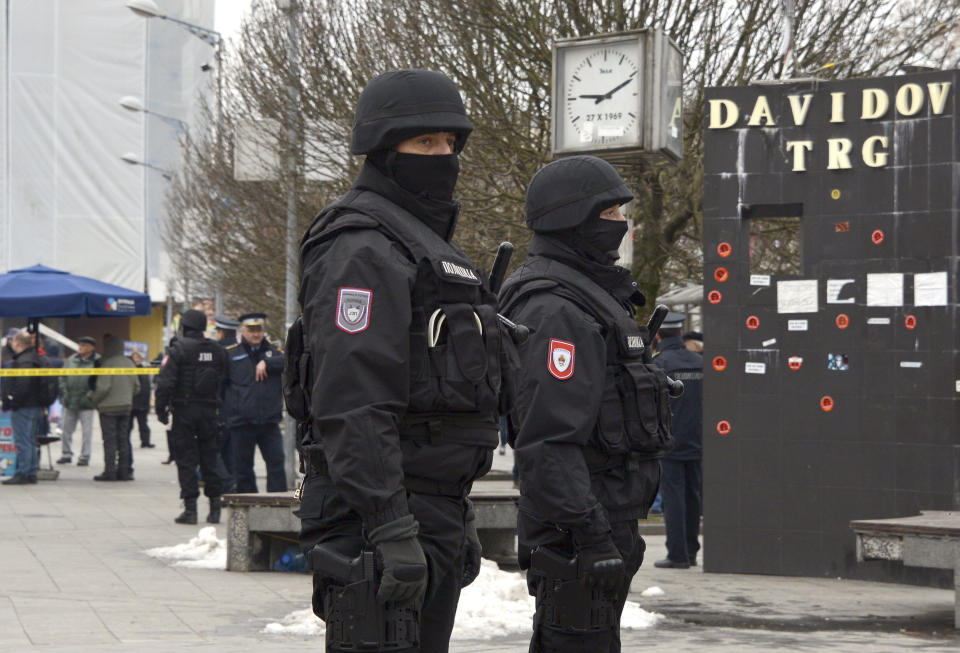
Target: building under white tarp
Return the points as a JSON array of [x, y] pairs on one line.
[[67, 200]]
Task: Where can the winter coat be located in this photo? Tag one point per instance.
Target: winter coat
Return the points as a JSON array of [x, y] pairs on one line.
[[114, 394], [73, 389]]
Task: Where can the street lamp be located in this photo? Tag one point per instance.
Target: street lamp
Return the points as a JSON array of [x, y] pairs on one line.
[[149, 9], [133, 103], [134, 160]]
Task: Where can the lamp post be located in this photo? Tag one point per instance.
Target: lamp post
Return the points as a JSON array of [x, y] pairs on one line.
[[133, 103], [134, 160], [213, 38]]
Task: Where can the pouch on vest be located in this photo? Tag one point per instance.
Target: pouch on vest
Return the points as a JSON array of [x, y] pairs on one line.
[[295, 373], [207, 378], [634, 410]]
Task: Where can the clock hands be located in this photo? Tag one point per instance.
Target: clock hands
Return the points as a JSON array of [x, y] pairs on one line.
[[597, 99]]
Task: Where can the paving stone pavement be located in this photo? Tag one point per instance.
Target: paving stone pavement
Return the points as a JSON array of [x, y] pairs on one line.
[[74, 577]]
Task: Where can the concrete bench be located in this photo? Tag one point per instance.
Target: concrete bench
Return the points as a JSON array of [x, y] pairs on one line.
[[260, 527], [930, 539]]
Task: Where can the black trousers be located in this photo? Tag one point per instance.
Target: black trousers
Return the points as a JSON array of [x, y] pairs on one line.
[[140, 416], [195, 441], [245, 440], [325, 518], [681, 487], [533, 533], [115, 428]]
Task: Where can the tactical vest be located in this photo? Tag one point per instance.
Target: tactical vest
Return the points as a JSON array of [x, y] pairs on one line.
[[200, 372], [455, 337], [635, 413]]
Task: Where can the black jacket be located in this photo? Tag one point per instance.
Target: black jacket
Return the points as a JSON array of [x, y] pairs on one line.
[[389, 412], [246, 400], [578, 468], [24, 391], [141, 399], [687, 366], [193, 373]]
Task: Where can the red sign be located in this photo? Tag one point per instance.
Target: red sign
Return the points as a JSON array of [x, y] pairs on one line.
[[795, 362]]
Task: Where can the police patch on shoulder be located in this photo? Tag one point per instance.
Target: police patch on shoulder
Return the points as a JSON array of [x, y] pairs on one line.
[[561, 357], [353, 309]]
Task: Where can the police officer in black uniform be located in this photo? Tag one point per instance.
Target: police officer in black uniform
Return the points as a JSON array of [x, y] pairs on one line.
[[402, 367], [682, 465], [588, 420], [189, 382], [226, 336]]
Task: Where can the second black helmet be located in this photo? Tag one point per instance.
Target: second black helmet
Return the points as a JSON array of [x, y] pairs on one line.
[[568, 192]]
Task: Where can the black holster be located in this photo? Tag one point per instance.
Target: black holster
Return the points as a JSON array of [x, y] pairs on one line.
[[356, 620], [564, 602]]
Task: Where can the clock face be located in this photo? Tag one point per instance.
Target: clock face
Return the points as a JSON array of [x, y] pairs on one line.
[[601, 86]]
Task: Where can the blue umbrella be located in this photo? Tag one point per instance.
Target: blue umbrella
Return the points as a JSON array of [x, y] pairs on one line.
[[39, 291]]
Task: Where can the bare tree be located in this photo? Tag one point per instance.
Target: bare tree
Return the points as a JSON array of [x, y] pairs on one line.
[[499, 53]]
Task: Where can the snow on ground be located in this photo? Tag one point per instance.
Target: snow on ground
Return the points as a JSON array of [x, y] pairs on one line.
[[205, 551], [652, 591], [496, 604]]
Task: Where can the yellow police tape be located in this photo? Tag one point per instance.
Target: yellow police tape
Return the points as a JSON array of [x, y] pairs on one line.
[[80, 371]]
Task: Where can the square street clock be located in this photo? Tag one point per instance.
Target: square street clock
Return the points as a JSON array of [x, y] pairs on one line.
[[617, 95]]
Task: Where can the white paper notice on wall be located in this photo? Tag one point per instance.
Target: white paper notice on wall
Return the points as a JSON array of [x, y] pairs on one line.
[[930, 289], [797, 296], [911, 364], [759, 279], [878, 320], [755, 368], [834, 288], [796, 325], [885, 289]]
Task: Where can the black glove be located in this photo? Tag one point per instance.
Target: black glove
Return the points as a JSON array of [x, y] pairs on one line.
[[401, 558], [163, 414], [600, 562], [472, 550]]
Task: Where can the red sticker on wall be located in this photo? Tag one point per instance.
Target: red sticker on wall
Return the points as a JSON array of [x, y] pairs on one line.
[[842, 321], [753, 322], [723, 427], [826, 403], [795, 362], [910, 322], [719, 363], [721, 274], [724, 250], [877, 236], [714, 297]]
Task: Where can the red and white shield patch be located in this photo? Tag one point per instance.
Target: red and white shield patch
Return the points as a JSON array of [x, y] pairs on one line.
[[560, 358], [353, 309]]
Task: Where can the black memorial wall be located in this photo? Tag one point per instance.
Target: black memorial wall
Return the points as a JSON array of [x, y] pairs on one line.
[[831, 390]]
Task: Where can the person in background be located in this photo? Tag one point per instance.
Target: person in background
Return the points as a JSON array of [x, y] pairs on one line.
[[24, 396], [141, 405], [682, 479], [254, 405], [226, 336], [77, 406], [113, 398], [693, 340]]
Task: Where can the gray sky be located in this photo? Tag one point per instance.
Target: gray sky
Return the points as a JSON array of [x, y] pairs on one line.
[[228, 15]]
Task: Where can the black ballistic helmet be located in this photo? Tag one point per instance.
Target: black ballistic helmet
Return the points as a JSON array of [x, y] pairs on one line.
[[572, 190], [402, 104], [193, 320]]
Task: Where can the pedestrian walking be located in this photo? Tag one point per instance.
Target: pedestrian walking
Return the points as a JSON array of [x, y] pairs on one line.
[[682, 481], [190, 384], [77, 405], [113, 397], [254, 405], [400, 372], [588, 427]]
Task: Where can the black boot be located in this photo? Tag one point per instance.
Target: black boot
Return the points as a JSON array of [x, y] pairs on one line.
[[214, 516], [189, 514]]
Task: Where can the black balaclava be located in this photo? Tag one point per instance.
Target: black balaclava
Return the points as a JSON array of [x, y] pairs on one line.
[[604, 237], [422, 183]]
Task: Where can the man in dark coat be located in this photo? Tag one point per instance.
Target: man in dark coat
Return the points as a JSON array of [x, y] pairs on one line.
[[402, 369], [682, 465], [141, 404], [24, 396], [254, 405], [587, 423]]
